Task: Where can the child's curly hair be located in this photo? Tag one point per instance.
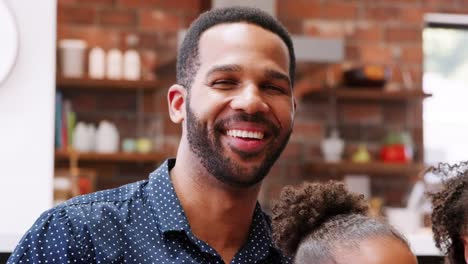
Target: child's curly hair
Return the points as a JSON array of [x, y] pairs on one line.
[[450, 210], [318, 217]]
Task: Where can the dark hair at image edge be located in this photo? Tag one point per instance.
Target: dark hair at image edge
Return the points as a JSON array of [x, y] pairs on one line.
[[450, 210], [187, 58], [321, 215]]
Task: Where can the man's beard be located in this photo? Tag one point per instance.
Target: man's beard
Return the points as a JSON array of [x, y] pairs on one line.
[[206, 144]]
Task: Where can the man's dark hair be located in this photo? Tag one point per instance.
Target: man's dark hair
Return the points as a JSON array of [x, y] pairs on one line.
[[312, 220], [188, 57], [450, 210]]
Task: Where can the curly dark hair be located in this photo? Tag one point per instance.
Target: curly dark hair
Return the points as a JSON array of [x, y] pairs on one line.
[[450, 210], [187, 58], [311, 220]]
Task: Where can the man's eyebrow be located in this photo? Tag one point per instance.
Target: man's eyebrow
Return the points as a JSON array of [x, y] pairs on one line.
[[224, 68], [273, 74]]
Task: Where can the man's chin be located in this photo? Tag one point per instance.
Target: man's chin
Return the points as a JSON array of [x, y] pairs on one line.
[[238, 182]]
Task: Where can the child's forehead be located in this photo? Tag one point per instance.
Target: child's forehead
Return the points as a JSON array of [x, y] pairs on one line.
[[376, 250]]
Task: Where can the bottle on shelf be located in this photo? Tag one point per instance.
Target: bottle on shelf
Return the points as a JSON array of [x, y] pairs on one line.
[[114, 64], [131, 60], [332, 147], [97, 63]]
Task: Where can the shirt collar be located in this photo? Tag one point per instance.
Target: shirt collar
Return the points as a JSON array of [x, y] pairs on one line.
[[164, 201], [168, 209]]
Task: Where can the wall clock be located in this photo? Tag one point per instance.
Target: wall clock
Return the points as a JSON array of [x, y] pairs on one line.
[[10, 43]]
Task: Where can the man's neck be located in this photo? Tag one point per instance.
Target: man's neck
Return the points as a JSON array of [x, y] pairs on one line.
[[218, 214]]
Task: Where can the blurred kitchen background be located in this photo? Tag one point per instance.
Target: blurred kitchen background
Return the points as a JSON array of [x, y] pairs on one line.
[[380, 89]]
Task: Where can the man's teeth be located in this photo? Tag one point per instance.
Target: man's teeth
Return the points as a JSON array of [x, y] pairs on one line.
[[245, 134]]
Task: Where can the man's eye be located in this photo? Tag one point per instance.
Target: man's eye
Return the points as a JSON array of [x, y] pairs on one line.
[[275, 88], [224, 83]]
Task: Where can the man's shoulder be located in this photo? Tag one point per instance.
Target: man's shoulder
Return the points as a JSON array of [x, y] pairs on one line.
[[92, 205], [115, 195]]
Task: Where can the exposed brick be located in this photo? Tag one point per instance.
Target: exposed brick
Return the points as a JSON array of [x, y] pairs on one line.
[[366, 32], [352, 52], [339, 10], [307, 131], [396, 74], [76, 15], [187, 6], [315, 110], [439, 4], [107, 3], [394, 114], [399, 34], [161, 104], [122, 18], [188, 19], [382, 13], [190, 6], [412, 54], [324, 28], [139, 3], [293, 151], [149, 61], [358, 113], [83, 102], [298, 9], [158, 20], [125, 102], [149, 104], [374, 54], [170, 128], [405, 3], [313, 152], [293, 173], [61, 3], [413, 15], [294, 26], [94, 36], [361, 132]]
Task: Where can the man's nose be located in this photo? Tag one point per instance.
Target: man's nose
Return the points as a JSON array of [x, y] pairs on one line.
[[250, 100]]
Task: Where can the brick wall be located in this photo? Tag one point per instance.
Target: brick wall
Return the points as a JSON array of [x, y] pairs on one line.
[[384, 32]]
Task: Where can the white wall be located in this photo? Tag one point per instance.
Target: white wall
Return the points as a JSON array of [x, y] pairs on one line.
[[26, 122]]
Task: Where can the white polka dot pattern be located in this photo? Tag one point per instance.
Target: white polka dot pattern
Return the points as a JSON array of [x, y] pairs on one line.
[[142, 222]]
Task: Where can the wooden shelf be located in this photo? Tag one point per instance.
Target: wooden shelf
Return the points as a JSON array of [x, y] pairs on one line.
[[373, 168], [104, 84], [368, 94], [113, 157]]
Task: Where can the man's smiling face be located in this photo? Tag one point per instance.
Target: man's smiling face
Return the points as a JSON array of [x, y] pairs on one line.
[[240, 107]]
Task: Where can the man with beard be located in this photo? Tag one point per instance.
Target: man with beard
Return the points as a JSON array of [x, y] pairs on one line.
[[233, 99]]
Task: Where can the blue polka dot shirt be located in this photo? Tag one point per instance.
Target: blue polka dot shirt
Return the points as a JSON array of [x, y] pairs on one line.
[[142, 222]]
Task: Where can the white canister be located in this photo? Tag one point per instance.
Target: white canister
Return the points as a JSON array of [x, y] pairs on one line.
[[97, 63], [72, 55], [132, 65], [107, 138], [114, 64]]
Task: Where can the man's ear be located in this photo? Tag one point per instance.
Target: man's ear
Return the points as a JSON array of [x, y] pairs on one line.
[[176, 97]]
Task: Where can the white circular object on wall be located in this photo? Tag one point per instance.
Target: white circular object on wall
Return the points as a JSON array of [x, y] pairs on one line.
[[9, 44]]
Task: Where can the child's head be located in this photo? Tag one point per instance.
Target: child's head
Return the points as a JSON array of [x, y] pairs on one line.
[[450, 213], [323, 223]]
